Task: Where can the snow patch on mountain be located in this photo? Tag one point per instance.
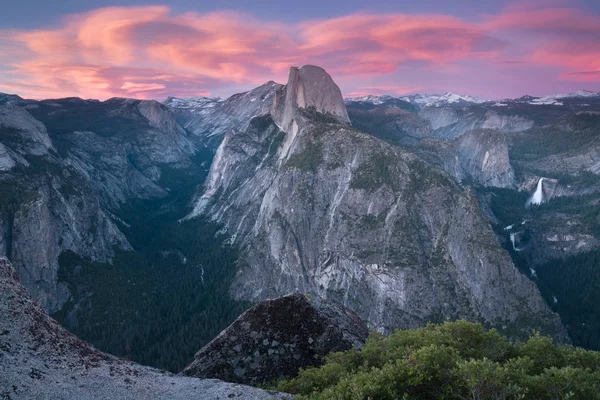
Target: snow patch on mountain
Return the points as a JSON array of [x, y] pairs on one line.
[[546, 101], [376, 100], [449, 98], [439, 100], [557, 99], [422, 100], [192, 103], [436, 100]]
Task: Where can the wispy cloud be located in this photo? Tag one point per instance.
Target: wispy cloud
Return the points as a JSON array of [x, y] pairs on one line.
[[151, 52]]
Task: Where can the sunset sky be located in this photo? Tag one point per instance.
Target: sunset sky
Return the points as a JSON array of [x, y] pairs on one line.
[[147, 49]]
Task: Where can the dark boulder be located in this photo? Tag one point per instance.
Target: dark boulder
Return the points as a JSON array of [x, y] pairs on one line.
[[276, 338]]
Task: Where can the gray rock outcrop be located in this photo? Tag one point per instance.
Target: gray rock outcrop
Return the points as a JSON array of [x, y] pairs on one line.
[[439, 117], [453, 122], [506, 123], [276, 338]]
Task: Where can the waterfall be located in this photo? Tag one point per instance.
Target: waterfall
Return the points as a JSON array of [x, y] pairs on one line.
[[533, 273], [538, 196], [513, 240]]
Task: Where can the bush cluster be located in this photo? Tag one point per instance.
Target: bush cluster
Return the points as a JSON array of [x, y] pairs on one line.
[[455, 360]]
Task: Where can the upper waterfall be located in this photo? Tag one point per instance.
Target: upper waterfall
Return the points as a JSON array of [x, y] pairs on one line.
[[538, 196]]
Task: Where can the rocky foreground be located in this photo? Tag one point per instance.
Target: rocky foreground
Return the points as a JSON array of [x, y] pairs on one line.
[[41, 360]]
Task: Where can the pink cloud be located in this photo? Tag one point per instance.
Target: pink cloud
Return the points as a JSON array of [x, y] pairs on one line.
[[80, 57], [582, 76], [133, 87], [152, 52], [382, 43], [563, 37]]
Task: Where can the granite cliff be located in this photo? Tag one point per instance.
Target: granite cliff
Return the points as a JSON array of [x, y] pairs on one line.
[[319, 207]]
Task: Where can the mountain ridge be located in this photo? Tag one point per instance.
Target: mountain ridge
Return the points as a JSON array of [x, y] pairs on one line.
[[175, 101], [449, 98]]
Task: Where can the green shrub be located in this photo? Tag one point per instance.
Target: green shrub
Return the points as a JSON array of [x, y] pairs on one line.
[[455, 360]]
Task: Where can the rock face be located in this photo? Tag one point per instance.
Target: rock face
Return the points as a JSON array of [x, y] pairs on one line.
[[506, 123], [50, 223], [276, 338], [6, 161], [568, 145], [439, 117], [9, 98], [479, 157], [482, 156], [210, 119], [308, 87], [394, 121], [324, 209], [66, 166], [472, 141], [137, 141], [25, 133], [159, 117], [41, 360], [451, 123]]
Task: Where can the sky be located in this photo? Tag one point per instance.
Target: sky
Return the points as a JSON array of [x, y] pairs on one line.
[[154, 49]]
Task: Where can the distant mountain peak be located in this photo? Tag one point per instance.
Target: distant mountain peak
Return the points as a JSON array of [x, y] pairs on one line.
[[585, 93], [423, 100], [9, 98], [557, 99], [579, 93], [437, 100], [373, 99], [451, 98]]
